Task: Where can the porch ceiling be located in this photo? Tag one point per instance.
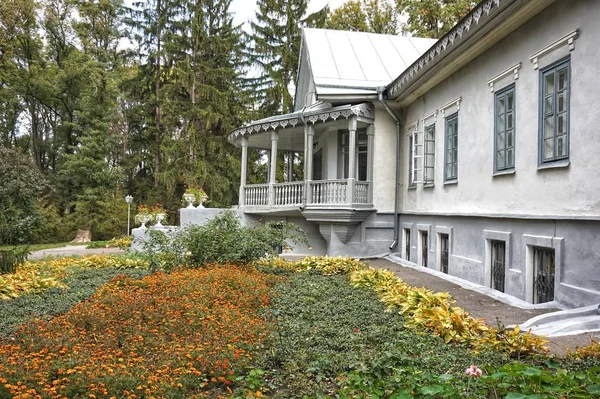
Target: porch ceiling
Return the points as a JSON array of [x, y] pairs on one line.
[[291, 129]]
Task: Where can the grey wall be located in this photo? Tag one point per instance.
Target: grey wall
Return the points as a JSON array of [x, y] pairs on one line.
[[565, 191], [577, 256]]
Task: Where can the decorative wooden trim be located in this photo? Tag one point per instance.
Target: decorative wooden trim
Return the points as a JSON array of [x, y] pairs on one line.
[[429, 116], [513, 69], [452, 103], [567, 39], [478, 17]]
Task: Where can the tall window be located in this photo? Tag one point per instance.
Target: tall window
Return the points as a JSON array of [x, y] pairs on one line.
[[498, 263], [361, 154], [407, 244], [444, 252], [505, 129], [412, 169], [429, 155], [554, 107], [451, 145]]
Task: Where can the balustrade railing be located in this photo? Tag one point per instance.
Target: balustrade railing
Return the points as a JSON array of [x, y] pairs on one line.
[[290, 194], [322, 192], [257, 195], [328, 192], [361, 192]]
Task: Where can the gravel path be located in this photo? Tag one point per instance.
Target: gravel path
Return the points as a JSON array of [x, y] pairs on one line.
[[482, 306], [72, 250]]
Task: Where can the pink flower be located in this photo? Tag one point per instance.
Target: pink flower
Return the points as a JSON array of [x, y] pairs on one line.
[[473, 371], [356, 330]]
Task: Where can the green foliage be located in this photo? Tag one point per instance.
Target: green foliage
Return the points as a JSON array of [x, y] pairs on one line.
[[10, 259], [323, 264], [20, 185], [376, 16], [275, 49], [433, 18], [82, 284], [323, 328]]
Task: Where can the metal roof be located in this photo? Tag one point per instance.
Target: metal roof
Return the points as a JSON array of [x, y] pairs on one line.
[[347, 61]]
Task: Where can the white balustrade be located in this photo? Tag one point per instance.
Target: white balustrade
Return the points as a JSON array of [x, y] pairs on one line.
[[289, 194], [361, 192], [257, 195], [329, 192]]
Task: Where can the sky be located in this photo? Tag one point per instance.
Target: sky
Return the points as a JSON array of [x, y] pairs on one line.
[[244, 10]]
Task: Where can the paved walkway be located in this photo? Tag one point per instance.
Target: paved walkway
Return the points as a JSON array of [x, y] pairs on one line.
[[483, 306], [72, 250]]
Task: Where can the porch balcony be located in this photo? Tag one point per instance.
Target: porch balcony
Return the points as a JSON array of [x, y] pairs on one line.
[[337, 144]]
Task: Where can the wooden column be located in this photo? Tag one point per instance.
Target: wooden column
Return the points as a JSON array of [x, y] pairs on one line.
[[370, 152], [308, 161], [244, 172], [352, 124], [273, 171]]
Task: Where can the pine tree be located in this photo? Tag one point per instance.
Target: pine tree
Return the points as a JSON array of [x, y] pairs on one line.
[[275, 38]]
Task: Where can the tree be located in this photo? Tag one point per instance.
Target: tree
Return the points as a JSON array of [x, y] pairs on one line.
[[275, 39], [20, 185], [433, 18], [364, 16]]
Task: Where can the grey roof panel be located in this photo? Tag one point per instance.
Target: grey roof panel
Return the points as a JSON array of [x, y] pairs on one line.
[[342, 59]]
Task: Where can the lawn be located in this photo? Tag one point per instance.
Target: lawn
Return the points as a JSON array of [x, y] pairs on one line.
[[38, 247], [312, 329]]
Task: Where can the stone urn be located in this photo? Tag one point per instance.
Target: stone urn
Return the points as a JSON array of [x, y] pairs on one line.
[[144, 218], [190, 199], [201, 201], [159, 218]]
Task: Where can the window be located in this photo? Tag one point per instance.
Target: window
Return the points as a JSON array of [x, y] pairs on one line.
[[444, 252], [407, 244], [429, 156], [424, 248], [504, 130], [498, 264], [451, 155], [544, 269], [554, 109], [361, 154], [412, 167]]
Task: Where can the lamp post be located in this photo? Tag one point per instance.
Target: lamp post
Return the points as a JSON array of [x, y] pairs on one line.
[[129, 200]]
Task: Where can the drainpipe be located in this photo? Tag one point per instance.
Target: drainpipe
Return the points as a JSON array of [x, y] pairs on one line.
[[398, 148]]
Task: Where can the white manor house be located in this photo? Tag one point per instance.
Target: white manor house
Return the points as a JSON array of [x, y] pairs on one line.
[[473, 155]]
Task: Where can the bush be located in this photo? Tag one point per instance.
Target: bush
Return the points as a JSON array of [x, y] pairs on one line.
[[221, 240]]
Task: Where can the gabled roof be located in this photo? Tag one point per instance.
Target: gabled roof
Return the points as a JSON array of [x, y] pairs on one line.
[[343, 62]]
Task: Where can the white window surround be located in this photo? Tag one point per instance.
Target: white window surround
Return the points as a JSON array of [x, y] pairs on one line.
[[426, 119], [423, 228], [568, 39], [406, 226], [513, 69], [439, 230], [449, 105], [488, 236], [530, 241]]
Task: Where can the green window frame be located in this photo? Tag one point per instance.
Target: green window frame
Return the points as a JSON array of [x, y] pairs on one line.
[[429, 155], [504, 129], [555, 93], [451, 148]]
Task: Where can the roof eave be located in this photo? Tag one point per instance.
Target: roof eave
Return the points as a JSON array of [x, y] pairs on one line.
[[453, 51]]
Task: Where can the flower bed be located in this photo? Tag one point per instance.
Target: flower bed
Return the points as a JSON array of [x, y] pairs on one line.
[[181, 335]]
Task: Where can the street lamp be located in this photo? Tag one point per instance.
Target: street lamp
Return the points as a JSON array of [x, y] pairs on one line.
[[129, 200]]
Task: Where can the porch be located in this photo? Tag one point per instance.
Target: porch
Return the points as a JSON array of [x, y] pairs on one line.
[[337, 162]]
